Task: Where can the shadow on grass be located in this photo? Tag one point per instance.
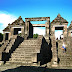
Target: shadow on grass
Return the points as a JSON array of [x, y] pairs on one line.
[[36, 69]]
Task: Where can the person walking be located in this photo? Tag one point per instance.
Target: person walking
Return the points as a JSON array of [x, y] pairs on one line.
[[64, 48]]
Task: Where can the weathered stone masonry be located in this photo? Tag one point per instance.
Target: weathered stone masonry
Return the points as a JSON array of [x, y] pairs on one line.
[[21, 48]]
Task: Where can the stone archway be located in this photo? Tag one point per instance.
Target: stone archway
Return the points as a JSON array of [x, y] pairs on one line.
[[46, 25]]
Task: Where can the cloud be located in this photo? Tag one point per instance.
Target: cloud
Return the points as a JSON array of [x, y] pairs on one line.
[[1, 31], [57, 34], [38, 31], [6, 18]]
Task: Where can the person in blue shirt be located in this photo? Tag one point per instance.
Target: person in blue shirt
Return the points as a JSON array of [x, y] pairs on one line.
[[64, 48]]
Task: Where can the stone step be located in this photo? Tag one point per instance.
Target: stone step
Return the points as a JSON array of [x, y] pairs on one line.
[[30, 44], [65, 56], [26, 57], [20, 59], [65, 60], [28, 47], [20, 55], [16, 60], [25, 48], [25, 61], [33, 41], [17, 56], [26, 52], [19, 62], [31, 48], [22, 52]]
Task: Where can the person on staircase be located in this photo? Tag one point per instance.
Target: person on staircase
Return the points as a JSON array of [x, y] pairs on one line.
[[64, 48]]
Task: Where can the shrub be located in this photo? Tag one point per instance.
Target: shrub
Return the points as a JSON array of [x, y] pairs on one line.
[[19, 34], [35, 35]]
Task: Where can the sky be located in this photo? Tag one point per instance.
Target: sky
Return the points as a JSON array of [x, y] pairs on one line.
[[10, 10]]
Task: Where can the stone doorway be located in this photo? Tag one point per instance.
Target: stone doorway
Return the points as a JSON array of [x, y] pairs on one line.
[[16, 30], [29, 26], [58, 32], [59, 41], [38, 27], [39, 30], [6, 36]]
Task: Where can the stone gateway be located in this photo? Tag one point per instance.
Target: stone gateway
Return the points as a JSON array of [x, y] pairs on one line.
[[20, 48]]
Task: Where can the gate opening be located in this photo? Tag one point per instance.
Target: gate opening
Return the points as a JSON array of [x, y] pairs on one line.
[[58, 33], [39, 30]]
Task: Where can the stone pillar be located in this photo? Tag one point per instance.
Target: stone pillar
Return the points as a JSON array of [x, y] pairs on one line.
[[65, 33], [9, 36], [47, 30], [22, 31], [53, 31], [54, 50], [4, 37], [26, 27], [12, 31], [69, 34], [69, 41]]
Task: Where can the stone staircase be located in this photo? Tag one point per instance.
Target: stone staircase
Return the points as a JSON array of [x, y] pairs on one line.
[[3, 47], [10, 44], [26, 53], [65, 58]]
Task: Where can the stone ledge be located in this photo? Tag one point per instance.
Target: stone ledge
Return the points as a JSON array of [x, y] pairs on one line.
[[1, 63]]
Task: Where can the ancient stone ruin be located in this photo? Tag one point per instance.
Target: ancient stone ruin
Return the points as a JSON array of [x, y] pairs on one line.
[[23, 49]]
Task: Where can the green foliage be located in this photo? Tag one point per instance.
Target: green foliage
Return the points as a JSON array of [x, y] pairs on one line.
[[19, 34], [1, 37], [35, 35]]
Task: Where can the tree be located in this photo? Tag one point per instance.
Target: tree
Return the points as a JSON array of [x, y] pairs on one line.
[[1, 37], [35, 35]]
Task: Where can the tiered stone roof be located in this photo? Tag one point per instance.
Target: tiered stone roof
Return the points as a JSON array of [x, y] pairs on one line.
[[70, 25], [59, 19], [6, 29], [19, 21]]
